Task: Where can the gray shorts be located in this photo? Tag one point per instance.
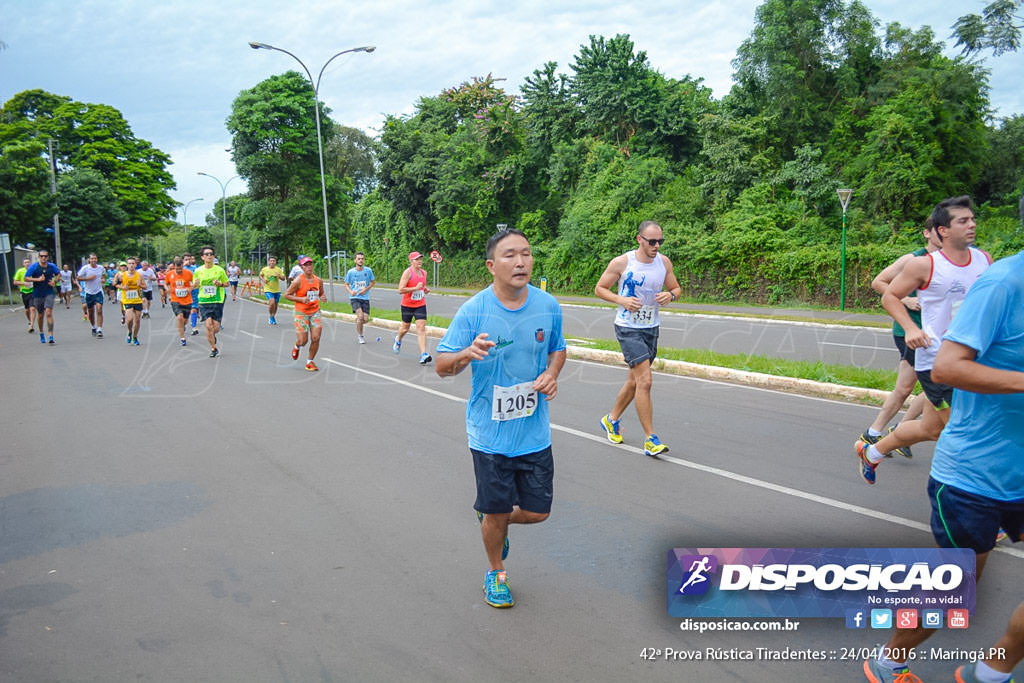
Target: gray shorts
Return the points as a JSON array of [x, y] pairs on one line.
[[41, 303], [637, 343]]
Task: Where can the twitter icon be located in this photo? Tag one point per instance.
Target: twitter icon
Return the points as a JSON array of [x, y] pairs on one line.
[[881, 618]]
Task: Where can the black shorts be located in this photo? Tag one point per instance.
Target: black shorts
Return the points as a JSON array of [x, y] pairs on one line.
[[132, 307], [940, 395], [148, 295], [637, 343], [906, 353], [360, 305], [94, 299], [26, 298], [967, 520], [215, 311], [503, 482], [419, 313], [183, 310]]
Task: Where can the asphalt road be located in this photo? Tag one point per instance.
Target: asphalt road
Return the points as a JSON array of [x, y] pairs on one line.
[[165, 516], [865, 347]]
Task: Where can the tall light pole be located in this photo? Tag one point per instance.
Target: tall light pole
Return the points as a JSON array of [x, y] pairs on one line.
[[184, 216], [223, 205], [319, 138]]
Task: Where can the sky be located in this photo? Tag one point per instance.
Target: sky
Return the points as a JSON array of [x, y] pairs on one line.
[[174, 67]]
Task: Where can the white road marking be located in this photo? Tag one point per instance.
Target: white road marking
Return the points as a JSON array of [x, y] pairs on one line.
[[254, 336], [859, 346], [715, 471]]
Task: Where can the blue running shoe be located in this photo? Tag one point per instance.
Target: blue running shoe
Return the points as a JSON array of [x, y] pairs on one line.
[[496, 592], [42, 338], [876, 673], [183, 342], [425, 358], [504, 546], [128, 339], [653, 447], [51, 340], [867, 468], [397, 346], [135, 341], [611, 429]]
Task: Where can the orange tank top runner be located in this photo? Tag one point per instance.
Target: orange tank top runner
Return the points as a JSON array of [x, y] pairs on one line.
[[416, 298], [309, 292]]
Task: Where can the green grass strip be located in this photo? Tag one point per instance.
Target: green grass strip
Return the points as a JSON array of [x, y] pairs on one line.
[[848, 375]]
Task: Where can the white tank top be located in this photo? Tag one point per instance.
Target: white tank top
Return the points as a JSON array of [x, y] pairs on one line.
[[941, 297], [644, 281]]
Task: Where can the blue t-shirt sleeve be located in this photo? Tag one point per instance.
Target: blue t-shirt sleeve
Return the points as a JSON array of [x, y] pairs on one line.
[[981, 316], [459, 334], [370, 277], [557, 342], [33, 270]]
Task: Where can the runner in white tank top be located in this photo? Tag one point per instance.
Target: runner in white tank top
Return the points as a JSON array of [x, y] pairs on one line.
[[942, 279], [641, 275], [642, 281], [941, 298]]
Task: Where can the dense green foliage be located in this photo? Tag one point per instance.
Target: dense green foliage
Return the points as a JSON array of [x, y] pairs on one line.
[[112, 186], [744, 186]]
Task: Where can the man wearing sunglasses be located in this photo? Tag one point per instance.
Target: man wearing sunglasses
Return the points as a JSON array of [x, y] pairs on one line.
[[642, 275]]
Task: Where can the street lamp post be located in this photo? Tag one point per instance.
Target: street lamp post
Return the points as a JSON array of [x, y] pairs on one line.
[[319, 139], [844, 199], [223, 205], [184, 216]]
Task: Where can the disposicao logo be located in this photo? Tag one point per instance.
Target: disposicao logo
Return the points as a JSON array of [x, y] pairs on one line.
[[816, 582], [696, 581]]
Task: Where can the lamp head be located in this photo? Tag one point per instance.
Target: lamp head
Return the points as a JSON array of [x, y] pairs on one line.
[[257, 46]]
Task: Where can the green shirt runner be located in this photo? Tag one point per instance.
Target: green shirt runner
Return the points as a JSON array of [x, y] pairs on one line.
[[210, 293]]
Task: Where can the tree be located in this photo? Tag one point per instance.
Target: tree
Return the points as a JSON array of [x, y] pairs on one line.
[[802, 58], [352, 155], [998, 29], [97, 137], [26, 203], [90, 217], [274, 144]]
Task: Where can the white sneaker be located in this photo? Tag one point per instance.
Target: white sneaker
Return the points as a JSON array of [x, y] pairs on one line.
[[361, 340]]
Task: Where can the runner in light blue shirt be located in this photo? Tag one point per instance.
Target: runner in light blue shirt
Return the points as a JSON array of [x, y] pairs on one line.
[[511, 336], [358, 283]]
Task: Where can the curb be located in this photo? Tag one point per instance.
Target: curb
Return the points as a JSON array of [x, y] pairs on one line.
[[791, 385]]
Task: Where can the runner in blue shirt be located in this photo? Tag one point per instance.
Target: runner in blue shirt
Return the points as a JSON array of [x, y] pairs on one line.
[[43, 276], [976, 485], [511, 333], [358, 283]]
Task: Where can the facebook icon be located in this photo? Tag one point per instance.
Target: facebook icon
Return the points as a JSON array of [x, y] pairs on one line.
[[855, 618]]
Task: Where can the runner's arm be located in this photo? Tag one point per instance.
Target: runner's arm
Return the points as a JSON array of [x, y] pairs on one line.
[[887, 275], [451, 363], [672, 289], [956, 366], [290, 292], [547, 381], [610, 276], [914, 275]]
